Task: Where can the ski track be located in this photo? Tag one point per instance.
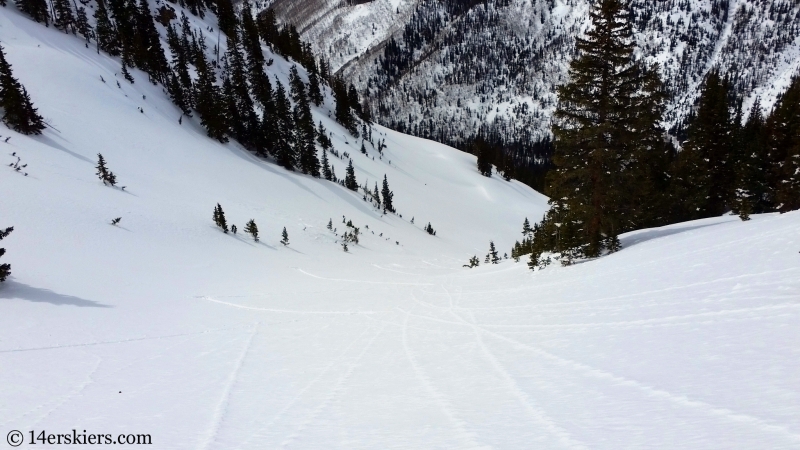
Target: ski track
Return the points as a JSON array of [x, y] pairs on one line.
[[252, 308], [222, 406], [363, 281], [464, 436], [680, 400], [62, 400], [122, 341], [536, 414], [280, 414], [336, 391]]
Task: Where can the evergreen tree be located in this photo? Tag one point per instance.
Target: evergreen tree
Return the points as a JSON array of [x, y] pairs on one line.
[[37, 9], [241, 113], [704, 179], [106, 34], [284, 237], [284, 130], [343, 112], [607, 137], [105, 175], [387, 195], [252, 229], [148, 53], [5, 269], [527, 231], [64, 19], [219, 218], [226, 17], [314, 93], [326, 168], [18, 111], [485, 154], [493, 257], [783, 129], [350, 177], [752, 166], [82, 24], [208, 99]]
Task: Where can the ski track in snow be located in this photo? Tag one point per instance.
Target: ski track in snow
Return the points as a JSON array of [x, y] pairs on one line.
[[680, 400], [536, 414], [467, 439], [336, 391], [222, 406]]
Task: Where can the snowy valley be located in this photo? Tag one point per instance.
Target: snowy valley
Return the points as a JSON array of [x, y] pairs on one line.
[[164, 325]]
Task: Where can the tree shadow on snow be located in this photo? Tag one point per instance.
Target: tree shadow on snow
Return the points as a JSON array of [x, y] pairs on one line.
[[644, 236], [53, 144], [16, 290]]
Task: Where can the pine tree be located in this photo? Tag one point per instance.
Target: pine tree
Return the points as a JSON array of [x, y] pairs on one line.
[[242, 117], [19, 113], [350, 177], [783, 128], [387, 195], [485, 154], [704, 181], [82, 24], [37, 9], [106, 34], [5, 269], [208, 99], [219, 218], [284, 129], [326, 168], [493, 253], [606, 136], [226, 17], [527, 231], [105, 175], [252, 229], [64, 19], [284, 237], [330, 224], [314, 93], [752, 166]]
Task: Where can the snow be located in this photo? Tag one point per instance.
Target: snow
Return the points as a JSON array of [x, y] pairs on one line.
[[164, 325]]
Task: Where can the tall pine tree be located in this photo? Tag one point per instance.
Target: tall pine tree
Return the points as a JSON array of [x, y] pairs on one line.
[[606, 138]]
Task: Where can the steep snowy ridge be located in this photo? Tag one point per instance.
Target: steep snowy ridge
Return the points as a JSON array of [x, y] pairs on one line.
[[497, 64]]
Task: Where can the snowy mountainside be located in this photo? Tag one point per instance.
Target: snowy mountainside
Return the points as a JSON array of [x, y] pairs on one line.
[[341, 29], [178, 174], [164, 326], [496, 64]]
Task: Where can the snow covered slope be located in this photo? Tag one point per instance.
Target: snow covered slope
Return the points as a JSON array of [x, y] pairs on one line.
[[166, 326]]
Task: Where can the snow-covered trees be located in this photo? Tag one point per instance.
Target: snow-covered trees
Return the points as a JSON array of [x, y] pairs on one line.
[[5, 269], [284, 237]]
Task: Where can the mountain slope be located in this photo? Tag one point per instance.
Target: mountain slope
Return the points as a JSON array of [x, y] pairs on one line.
[[164, 326], [495, 64]]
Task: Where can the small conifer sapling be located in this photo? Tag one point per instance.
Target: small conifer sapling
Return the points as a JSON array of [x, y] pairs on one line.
[[252, 229]]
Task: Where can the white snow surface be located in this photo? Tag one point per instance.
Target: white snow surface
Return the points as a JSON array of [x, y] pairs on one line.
[[163, 325]]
